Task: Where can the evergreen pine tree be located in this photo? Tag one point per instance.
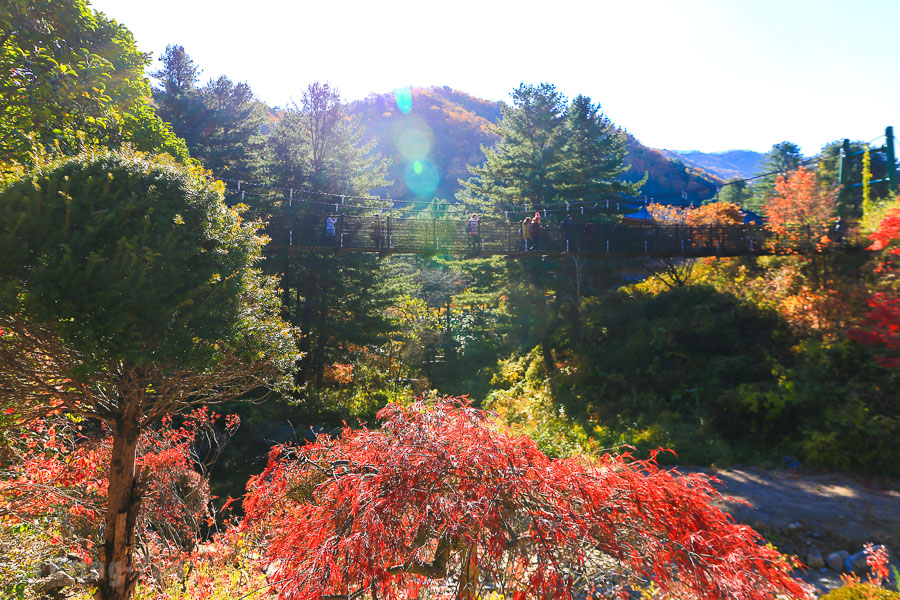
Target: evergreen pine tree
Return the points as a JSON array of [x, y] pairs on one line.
[[335, 299], [593, 155], [525, 168], [177, 100]]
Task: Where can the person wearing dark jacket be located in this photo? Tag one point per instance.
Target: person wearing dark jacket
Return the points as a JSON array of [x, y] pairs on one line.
[[565, 228]]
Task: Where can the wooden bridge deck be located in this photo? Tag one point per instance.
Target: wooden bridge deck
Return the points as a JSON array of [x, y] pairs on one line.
[[500, 237]]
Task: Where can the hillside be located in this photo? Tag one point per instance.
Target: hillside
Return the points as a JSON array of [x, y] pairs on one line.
[[668, 177], [439, 131], [443, 131], [726, 165]]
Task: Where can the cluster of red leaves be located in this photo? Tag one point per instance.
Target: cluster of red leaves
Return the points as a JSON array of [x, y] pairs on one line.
[[442, 494], [877, 559], [881, 326], [54, 473], [887, 236], [801, 212]]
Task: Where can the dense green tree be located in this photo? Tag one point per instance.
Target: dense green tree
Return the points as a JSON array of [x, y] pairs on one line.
[[594, 155], [179, 72], [232, 142], [526, 166], [221, 121], [317, 147], [336, 300], [549, 153], [177, 100], [736, 191], [69, 74], [129, 292]]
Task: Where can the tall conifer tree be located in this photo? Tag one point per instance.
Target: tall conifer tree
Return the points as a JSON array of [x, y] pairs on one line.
[[593, 155], [524, 169], [549, 153]]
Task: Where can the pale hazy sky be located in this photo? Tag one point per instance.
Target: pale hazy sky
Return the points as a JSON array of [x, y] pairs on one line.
[[682, 74]]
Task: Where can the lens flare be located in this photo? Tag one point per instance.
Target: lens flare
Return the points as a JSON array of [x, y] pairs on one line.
[[412, 137], [422, 177], [403, 97]]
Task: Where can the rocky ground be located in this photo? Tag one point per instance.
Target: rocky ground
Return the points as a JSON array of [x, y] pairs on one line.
[[825, 519]]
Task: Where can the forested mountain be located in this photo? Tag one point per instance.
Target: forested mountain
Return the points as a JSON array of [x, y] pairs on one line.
[[439, 128], [667, 177], [443, 130], [727, 165]]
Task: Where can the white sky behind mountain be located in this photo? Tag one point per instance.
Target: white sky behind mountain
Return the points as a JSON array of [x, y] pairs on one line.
[[680, 74]]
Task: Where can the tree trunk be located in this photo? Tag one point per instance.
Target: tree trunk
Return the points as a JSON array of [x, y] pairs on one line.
[[117, 574], [319, 362], [547, 353], [576, 323], [305, 367], [468, 577]]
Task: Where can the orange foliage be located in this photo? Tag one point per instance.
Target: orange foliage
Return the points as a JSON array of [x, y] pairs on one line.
[[340, 373], [801, 212], [667, 212], [819, 310], [715, 214]]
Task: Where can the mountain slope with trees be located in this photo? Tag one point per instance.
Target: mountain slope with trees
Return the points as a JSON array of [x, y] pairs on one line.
[[447, 128], [726, 165]]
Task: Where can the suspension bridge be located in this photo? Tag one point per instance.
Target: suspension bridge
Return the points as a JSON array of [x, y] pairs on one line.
[[310, 232], [302, 225]]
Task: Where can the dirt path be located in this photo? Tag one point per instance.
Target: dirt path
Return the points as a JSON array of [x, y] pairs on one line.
[[798, 511]]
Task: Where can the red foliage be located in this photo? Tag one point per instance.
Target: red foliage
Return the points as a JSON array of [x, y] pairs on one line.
[[882, 322], [877, 559], [888, 234], [441, 494], [57, 474], [881, 328]]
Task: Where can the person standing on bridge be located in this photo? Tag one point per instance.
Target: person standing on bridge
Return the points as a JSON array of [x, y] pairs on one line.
[[565, 227], [534, 231], [330, 229], [526, 233], [377, 237], [472, 230]]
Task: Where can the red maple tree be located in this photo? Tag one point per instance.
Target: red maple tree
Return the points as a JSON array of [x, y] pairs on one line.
[[441, 497], [881, 326], [55, 473]]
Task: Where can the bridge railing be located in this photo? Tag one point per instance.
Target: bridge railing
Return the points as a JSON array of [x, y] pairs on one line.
[[498, 236]]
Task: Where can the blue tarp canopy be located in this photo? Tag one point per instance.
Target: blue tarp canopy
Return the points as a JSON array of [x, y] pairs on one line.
[[641, 215], [752, 217]]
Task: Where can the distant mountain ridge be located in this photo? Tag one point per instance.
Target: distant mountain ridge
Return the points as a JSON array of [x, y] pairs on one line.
[[439, 131], [728, 164]]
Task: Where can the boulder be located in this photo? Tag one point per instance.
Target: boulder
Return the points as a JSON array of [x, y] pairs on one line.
[[835, 560], [856, 563], [814, 559], [54, 583], [47, 568]]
